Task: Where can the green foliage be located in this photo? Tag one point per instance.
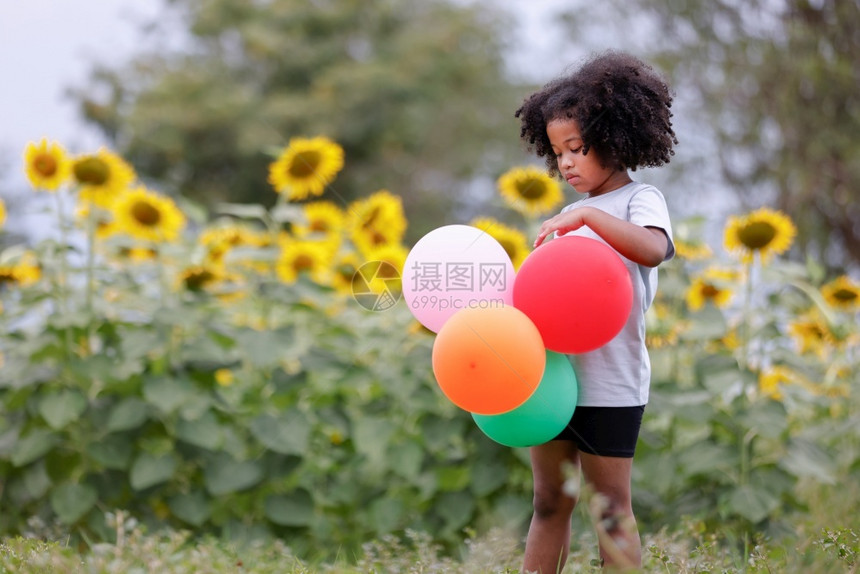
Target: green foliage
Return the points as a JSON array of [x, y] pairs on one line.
[[329, 432], [414, 91], [777, 84]]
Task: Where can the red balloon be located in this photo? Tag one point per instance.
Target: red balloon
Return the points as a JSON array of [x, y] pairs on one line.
[[576, 291]]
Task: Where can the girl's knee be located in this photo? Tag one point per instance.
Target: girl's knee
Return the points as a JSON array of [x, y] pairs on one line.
[[550, 502]]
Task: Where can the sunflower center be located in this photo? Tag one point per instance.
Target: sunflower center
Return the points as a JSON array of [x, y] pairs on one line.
[[709, 291], [305, 163], [757, 234], [303, 263], [46, 165], [145, 213], [845, 295], [371, 218], [346, 271], [509, 248], [319, 225], [92, 171], [531, 189], [197, 280], [387, 271]]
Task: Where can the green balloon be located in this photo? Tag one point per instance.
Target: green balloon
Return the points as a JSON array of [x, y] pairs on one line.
[[543, 415]]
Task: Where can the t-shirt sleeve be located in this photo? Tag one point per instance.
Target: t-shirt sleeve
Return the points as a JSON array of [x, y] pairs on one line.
[[648, 208]]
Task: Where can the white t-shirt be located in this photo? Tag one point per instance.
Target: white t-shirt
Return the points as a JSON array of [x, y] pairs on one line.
[[618, 374]]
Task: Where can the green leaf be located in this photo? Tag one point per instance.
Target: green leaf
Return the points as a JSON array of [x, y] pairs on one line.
[[32, 446], [455, 508], [768, 418], [386, 514], [167, 393], [371, 436], [204, 432], [453, 477], [36, 481], [288, 433], [294, 509], [242, 210], [59, 409], [113, 451], [193, 508], [224, 475], [292, 213], [149, 470], [128, 414], [71, 501], [705, 458], [805, 459], [264, 349], [753, 503], [406, 459], [487, 477], [708, 323]]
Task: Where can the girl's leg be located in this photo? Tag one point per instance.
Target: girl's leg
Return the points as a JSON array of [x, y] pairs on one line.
[[548, 540], [620, 546]]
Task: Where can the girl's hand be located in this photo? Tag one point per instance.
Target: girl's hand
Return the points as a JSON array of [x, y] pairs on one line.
[[562, 223]]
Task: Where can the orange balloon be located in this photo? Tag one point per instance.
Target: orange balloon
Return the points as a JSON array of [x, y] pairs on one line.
[[488, 361]]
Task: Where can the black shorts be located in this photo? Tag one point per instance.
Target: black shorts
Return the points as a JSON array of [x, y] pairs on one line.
[[604, 431]]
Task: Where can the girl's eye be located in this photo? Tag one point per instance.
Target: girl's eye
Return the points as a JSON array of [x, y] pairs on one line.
[[577, 150]]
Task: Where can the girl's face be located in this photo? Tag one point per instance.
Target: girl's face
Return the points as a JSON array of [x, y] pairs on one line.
[[584, 172]]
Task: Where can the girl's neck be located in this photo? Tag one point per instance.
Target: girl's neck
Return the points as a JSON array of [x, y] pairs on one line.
[[615, 180]]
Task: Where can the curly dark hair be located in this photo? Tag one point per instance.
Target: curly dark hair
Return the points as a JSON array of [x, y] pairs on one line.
[[621, 105]]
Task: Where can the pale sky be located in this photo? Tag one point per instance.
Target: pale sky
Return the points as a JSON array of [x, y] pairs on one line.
[[48, 46]]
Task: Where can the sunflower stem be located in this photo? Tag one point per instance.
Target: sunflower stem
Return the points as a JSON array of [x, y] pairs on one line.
[[91, 257], [168, 331], [746, 327], [63, 272]]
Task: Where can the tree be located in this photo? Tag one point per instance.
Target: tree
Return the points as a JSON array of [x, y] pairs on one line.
[[778, 81], [414, 90]]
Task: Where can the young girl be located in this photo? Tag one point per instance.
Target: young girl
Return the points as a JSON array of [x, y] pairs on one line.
[[610, 116]]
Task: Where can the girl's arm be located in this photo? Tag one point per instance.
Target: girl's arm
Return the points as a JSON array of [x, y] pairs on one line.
[[643, 245]]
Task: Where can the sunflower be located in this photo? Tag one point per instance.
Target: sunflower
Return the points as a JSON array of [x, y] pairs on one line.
[[511, 239], [763, 231], [662, 326], [224, 377], [2, 213], [376, 220], [323, 222], [842, 293], [711, 286], [812, 334], [103, 177], [771, 381], [199, 278], [137, 254], [529, 190], [387, 276], [343, 271], [692, 250], [103, 220], [305, 167], [24, 272], [218, 241], [46, 164], [322, 219], [147, 215], [303, 257]]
